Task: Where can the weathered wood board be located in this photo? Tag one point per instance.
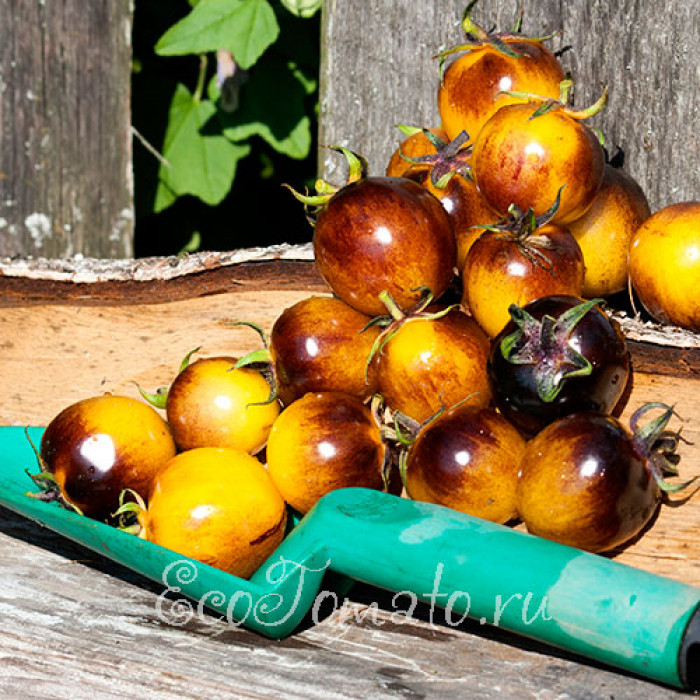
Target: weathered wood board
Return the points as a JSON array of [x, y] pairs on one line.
[[378, 70], [66, 183]]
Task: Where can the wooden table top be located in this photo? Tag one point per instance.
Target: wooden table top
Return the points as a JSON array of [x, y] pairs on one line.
[[78, 625]]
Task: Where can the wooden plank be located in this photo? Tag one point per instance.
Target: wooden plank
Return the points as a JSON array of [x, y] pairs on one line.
[[378, 71], [65, 141], [88, 626]]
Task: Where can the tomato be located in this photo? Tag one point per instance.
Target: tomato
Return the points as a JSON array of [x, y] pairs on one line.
[[322, 442], [605, 232], [218, 506], [465, 205], [470, 90], [416, 144], [211, 404], [505, 268], [665, 265], [321, 344], [558, 355], [428, 363], [467, 459], [589, 483], [525, 160], [99, 446], [381, 234]]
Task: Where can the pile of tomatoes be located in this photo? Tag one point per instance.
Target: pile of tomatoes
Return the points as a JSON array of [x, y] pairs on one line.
[[464, 358]]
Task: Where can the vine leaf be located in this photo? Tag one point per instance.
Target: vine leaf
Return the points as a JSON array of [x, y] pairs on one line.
[[202, 161], [272, 107], [244, 27]]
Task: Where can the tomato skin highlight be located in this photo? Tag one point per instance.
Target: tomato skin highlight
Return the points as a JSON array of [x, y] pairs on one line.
[[431, 363], [218, 506], [469, 92], [322, 442], [97, 447], [583, 484], [381, 234], [467, 459], [605, 232], [595, 337], [498, 273], [665, 265], [321, 344], [525, 161], [209, 406]]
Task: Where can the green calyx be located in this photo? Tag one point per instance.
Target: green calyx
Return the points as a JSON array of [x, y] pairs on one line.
[[545, 345], [449, 159], [478, 37], [563, 104], [392, 322], [357, 170], [261, 361], [159, 397], [657, 445]]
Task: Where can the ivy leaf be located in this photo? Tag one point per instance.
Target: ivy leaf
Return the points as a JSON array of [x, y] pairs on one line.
[[303, 8], [244, 27], [272, 107], [202, 160]]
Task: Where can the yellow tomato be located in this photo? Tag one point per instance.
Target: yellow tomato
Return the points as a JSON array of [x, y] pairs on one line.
[[665, 265], [211, 404], [322, 442], [605, 231], [218, 506], [431, 363]]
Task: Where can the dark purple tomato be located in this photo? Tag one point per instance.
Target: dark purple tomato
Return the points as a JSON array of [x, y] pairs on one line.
[[384, 234], [585, 482], [558, 355]]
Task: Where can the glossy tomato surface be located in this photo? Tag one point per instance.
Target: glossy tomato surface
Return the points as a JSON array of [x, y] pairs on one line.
[[605, 232], [501, 270], [322, 442], [665, 265], [538, 360], [212, 404], [384, 234], [524, 160], [583, 484], [99, 446], [218, 506], [321, 344], [469, 93], [433, 363], [467, 459]]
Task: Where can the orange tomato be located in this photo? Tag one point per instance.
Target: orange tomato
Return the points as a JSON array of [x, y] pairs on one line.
[[414, 145], [322, 442], [469, 95], [502, 270], [665, 265], [521, 160], [218, 506], [99, 446], [211, 404], [605, 232]]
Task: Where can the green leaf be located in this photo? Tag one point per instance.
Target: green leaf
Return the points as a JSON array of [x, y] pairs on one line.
[[202, 160], [244, 27], [272, 107]]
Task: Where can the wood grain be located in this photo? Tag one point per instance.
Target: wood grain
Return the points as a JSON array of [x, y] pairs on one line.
[[378, 71], [65, 141]]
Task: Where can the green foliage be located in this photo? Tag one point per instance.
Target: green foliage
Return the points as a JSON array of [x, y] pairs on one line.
[[264, 90]]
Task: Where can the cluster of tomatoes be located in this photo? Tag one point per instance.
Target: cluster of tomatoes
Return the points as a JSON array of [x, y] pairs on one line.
[[464, 358]]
